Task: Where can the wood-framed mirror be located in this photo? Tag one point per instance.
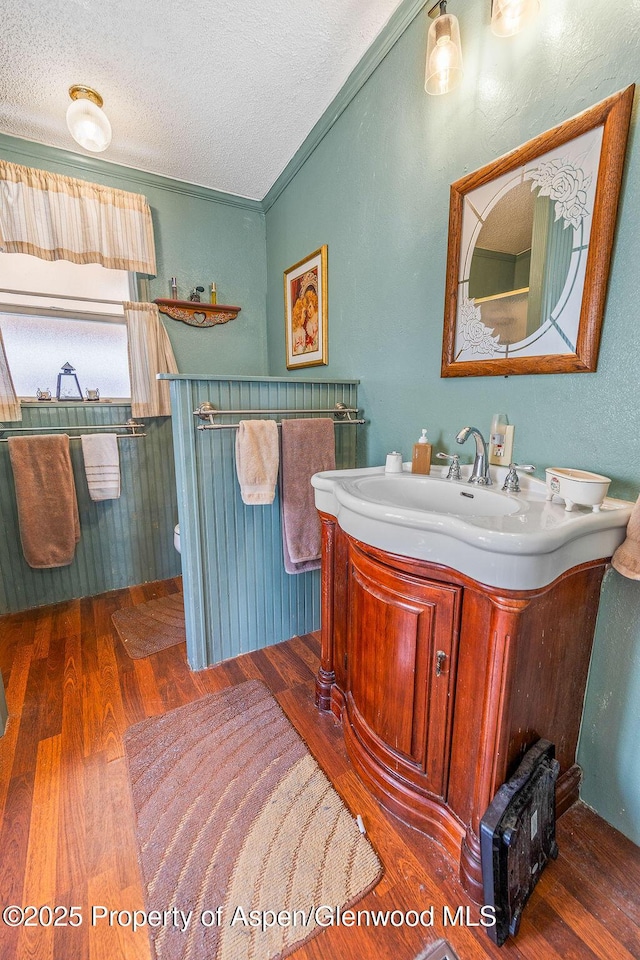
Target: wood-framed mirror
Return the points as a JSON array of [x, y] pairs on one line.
[[530, 240]]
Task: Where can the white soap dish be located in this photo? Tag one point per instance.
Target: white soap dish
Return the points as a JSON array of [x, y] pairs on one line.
[[577, 487]]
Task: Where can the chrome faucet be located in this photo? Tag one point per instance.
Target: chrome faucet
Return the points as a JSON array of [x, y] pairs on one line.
[[480, 471]]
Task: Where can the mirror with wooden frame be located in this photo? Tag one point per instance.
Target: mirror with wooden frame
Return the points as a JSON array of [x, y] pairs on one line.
[[530, 239]]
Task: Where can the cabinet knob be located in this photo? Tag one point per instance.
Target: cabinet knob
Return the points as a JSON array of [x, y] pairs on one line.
[[440, 659]]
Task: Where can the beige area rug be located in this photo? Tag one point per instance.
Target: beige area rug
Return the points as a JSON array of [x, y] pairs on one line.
[[236, 822], [150, 627]]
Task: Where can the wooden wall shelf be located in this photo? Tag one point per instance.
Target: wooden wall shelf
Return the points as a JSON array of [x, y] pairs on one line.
[[197, 314]]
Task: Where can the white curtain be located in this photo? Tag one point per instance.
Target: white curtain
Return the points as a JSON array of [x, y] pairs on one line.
[[9, 405], [61, 218], [150, 353]]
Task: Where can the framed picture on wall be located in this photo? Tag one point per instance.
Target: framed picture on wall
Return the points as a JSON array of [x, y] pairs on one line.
[[305, 311]]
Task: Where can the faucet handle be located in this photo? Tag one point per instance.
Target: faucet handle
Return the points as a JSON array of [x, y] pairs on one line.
[[512, 482], [454, 466]]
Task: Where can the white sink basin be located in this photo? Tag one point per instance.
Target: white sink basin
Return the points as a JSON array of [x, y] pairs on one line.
[[435, 495], [513, 541]]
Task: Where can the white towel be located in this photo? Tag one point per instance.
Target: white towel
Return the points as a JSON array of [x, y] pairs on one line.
[[257, 458], [102, 465]]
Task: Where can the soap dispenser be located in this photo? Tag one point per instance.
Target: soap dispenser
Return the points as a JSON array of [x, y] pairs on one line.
[[421, 459]]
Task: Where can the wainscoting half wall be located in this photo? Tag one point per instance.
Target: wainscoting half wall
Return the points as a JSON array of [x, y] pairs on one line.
[[238, 597], [122, 542]]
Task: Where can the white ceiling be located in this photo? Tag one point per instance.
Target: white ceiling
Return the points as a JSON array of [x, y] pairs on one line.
[[219, 93]]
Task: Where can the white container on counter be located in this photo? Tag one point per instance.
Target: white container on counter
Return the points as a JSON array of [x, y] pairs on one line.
[[577, 487]]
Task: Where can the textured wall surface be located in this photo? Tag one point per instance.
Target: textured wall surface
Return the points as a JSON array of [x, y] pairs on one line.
[[376, 190]]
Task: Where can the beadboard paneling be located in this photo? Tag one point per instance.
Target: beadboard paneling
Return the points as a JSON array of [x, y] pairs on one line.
[[122, 542], [238, 597]]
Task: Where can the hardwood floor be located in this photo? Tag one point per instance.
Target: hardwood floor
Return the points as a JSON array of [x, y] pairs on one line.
[[67, 830]]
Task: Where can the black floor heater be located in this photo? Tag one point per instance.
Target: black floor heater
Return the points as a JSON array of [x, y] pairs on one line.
[[518, 837]]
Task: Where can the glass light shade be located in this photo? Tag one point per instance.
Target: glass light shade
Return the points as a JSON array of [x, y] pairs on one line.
[[512, 16], [89, 125], [444, 55]]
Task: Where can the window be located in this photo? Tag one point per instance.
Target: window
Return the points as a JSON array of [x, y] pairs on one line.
[[54, 312]]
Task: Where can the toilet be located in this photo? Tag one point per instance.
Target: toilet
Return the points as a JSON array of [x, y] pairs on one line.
[[176, 537]]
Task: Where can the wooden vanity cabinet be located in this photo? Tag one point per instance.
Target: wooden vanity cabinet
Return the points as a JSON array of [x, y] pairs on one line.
[[402, 638], [443, 683]]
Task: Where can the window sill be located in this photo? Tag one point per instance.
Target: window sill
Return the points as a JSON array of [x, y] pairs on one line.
[[26, 402]]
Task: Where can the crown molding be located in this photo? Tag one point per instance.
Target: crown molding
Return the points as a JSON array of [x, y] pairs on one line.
[[396, 25], [40, 154]]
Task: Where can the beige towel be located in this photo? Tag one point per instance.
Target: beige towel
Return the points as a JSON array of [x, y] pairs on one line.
[[308, 447], [46, 498], [101, 465], [257, 459], [626, 559]]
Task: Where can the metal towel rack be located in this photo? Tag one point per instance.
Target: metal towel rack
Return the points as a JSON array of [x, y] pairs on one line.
[[342, 414], [132, 425]]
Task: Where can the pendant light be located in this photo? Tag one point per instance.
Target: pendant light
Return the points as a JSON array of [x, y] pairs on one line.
[[88, 123], [443, 70], [511, 16]]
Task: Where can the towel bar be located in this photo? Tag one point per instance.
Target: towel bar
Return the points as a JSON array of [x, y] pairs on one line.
[[132, 425], [234, 426], [207, 411]]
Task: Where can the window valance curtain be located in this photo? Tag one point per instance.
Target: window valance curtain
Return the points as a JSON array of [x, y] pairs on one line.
[[60, 218], [9, 405], [150, 353]]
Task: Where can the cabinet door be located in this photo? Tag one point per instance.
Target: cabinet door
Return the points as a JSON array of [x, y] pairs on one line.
[[401, 650]]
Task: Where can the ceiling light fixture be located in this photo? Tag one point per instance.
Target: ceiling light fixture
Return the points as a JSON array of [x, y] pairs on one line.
[[512, 16], [443, 70], [88, 123]]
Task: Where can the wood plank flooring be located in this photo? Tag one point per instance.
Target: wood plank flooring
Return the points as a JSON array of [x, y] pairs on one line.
[[67, 828]]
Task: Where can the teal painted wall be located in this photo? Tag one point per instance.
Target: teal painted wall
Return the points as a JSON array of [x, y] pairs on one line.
[[492, 273], [200, 236], [376, 191]]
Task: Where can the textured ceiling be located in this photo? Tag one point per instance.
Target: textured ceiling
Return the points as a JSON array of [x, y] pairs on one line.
[[215, 92], [509, 225]]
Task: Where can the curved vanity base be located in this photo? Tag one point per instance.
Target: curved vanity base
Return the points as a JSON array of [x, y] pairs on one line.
[[442, 683], [426, 813]]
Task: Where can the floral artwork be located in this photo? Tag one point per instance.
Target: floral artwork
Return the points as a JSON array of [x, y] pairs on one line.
[[305, 295], [567, 185], [304, 318]]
